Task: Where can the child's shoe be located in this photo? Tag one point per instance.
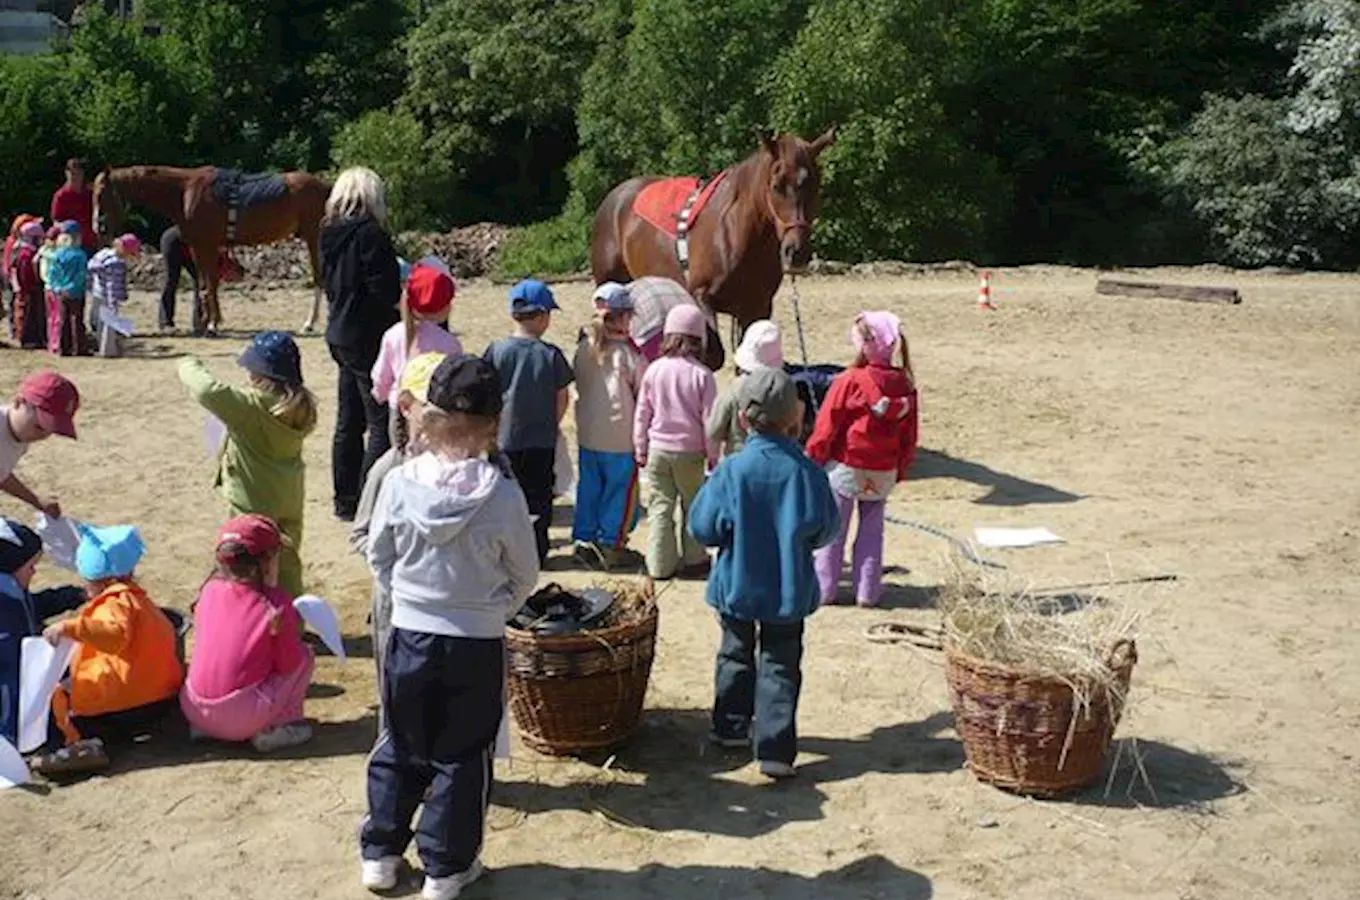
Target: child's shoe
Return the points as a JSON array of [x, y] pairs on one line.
[[777, 770], [282, 736], [450, 886], [380, 874], [74, 759]]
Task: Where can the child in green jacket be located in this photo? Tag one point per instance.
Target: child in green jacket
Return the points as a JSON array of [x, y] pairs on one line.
[[260, 468]]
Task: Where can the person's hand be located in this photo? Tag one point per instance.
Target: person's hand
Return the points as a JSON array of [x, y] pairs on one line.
[[54, 633], [641, 460], [51, 508]]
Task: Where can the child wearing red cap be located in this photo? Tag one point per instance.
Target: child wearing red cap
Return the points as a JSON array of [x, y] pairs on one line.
[[250, 670], [423, 329], [28, 312], [44, 405]]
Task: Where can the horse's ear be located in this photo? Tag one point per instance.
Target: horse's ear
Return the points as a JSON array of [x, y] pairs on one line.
[[768, 141], [824, 140]]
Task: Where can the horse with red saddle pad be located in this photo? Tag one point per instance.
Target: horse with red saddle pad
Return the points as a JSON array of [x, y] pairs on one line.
[[729, 240]]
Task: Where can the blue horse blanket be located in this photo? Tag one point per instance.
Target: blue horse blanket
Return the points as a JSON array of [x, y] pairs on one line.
[[238, 190]]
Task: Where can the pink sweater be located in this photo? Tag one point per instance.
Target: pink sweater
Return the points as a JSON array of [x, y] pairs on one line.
[[430, 338], [677, 394], [241, 637]]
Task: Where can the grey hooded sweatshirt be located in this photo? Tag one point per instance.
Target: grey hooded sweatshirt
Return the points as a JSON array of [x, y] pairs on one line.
[[453, 545]]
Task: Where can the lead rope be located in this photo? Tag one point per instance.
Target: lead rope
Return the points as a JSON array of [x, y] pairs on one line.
[[802, 340]]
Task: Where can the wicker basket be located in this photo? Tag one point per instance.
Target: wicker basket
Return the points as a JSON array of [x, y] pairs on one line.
[[581, 692], [1028, 733]]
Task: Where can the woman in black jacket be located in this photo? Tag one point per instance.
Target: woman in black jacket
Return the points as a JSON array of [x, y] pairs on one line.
[[363, 288]]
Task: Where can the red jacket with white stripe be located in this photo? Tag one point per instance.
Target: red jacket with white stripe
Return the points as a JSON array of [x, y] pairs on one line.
[[868, 420]]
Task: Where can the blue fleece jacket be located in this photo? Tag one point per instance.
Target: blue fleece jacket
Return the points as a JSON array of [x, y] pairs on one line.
[[22, 615], [765, 509]]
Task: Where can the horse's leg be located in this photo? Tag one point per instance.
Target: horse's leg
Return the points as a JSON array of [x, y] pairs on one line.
[[207, 267], [314, 255]]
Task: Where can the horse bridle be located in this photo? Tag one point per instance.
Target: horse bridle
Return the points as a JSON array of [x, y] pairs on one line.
[[782, 226]]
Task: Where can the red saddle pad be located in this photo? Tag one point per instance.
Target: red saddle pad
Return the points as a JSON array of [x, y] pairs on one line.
[[660, 202]]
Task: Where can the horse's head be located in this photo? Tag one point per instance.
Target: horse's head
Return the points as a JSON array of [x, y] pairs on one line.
[[793, 183], [108, 206]]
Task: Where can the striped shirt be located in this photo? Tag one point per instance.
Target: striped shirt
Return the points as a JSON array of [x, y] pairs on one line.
[[109, 274]]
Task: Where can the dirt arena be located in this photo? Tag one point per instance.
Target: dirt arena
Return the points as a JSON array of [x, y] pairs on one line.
[[1215, 443]]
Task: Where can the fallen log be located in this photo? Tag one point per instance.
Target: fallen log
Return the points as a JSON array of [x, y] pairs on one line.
[[1191, 292]]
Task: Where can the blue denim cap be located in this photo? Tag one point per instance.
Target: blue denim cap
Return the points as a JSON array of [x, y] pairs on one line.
[[531, 295]]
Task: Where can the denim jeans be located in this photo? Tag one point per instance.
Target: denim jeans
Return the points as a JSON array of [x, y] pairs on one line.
[[758, 677]]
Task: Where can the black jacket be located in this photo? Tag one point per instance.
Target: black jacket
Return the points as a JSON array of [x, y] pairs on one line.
[[363, 285]]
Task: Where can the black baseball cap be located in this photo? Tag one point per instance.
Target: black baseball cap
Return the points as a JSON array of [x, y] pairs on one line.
[[466, 384]]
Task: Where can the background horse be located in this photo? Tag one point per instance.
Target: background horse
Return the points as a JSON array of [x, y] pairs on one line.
[[188, 197], [755, 226]]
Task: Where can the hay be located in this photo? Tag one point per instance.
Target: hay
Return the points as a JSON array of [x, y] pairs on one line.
[[998, 619]]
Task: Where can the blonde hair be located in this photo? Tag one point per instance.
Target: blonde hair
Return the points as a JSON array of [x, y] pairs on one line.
[[357, 192], [441, 429], [597, 332], [296, 406], [410, 323], [66, 239], [867, 333]]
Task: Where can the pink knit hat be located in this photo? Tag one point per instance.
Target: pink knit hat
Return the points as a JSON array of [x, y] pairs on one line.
[[687, 320], [884, 330], [129, 243]]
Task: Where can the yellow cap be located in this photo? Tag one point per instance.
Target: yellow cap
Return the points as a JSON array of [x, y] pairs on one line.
[[416, 374]]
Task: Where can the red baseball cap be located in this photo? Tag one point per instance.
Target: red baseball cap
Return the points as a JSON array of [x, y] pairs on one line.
[[429, 291], [256, 534], [55, 400]]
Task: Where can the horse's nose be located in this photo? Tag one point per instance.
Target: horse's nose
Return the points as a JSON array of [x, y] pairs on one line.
[[795, 255]]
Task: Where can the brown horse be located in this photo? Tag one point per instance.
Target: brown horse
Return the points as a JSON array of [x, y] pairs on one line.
[[754, 228], [187, 196]]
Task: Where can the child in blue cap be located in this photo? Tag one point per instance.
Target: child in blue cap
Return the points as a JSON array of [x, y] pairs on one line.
[[261, 470], [126, 675], [534, 377]]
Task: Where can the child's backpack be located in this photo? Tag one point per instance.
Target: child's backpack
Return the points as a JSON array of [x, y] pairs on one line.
[[813, 382]]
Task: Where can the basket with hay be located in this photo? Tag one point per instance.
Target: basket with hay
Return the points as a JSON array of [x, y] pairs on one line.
[[1036, 695], [578, 669]]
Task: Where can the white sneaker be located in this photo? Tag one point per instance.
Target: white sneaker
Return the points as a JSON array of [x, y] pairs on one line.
[[450, 886], [282, 736], [772, 769], [380, 874]]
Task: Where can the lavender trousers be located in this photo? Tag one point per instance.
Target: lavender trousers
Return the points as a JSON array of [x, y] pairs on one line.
[[866, 572], [242, 714]]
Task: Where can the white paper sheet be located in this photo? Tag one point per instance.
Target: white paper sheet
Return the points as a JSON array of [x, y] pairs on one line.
[[1015, 537], [214, 433], [40, 669], [118, 323], [320, 617], [564, 474], [60, 539], [13, 769]]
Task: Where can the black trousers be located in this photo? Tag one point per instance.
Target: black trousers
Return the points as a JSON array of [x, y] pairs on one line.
[[443, 699], [357, 414], [534, 471], [177, 259]]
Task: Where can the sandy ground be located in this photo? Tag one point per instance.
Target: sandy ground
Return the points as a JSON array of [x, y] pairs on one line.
[[1215, 443]]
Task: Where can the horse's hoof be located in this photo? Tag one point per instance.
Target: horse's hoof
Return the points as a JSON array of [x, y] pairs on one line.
[[308, 327]]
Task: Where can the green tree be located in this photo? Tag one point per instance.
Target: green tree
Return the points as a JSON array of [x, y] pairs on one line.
[[900, 181], [35, 94], [495, 84], [419, 185]]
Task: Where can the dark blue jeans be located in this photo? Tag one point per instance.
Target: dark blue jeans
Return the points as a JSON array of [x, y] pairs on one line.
[[442, 698], [758, 677]]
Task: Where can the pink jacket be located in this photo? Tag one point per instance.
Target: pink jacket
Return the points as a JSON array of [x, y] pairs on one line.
[[430, 338], [241, 637], [677, 394]]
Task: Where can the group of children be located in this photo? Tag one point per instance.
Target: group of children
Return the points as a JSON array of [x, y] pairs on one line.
[[453, 523], [50, 277]]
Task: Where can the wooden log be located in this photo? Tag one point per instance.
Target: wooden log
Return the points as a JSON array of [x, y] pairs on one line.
[[1193, 293]]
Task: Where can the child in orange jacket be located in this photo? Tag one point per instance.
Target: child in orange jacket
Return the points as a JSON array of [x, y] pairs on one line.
[[126, 674]]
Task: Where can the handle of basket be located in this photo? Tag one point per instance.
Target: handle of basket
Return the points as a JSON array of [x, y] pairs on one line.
[[1123, 652]]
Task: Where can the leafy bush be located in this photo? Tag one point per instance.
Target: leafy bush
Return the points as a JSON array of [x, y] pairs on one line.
[[393, 145], [558, 246]]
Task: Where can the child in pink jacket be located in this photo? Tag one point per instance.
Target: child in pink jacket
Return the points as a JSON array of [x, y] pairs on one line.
[[423, 328], [250, 669], [671, 444]]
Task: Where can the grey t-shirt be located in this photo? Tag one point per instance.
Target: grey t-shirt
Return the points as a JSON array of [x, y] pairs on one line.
[[531, 372]]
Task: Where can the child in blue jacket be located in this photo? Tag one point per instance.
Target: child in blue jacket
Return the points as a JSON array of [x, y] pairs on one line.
[[766, 509], [22, 613]]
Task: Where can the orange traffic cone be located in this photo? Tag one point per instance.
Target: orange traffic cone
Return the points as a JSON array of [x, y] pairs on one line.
[[985, 292]]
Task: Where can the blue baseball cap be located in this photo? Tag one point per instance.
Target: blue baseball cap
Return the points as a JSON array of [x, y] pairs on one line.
[[273, 355], [111, 552], [531, 296]]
